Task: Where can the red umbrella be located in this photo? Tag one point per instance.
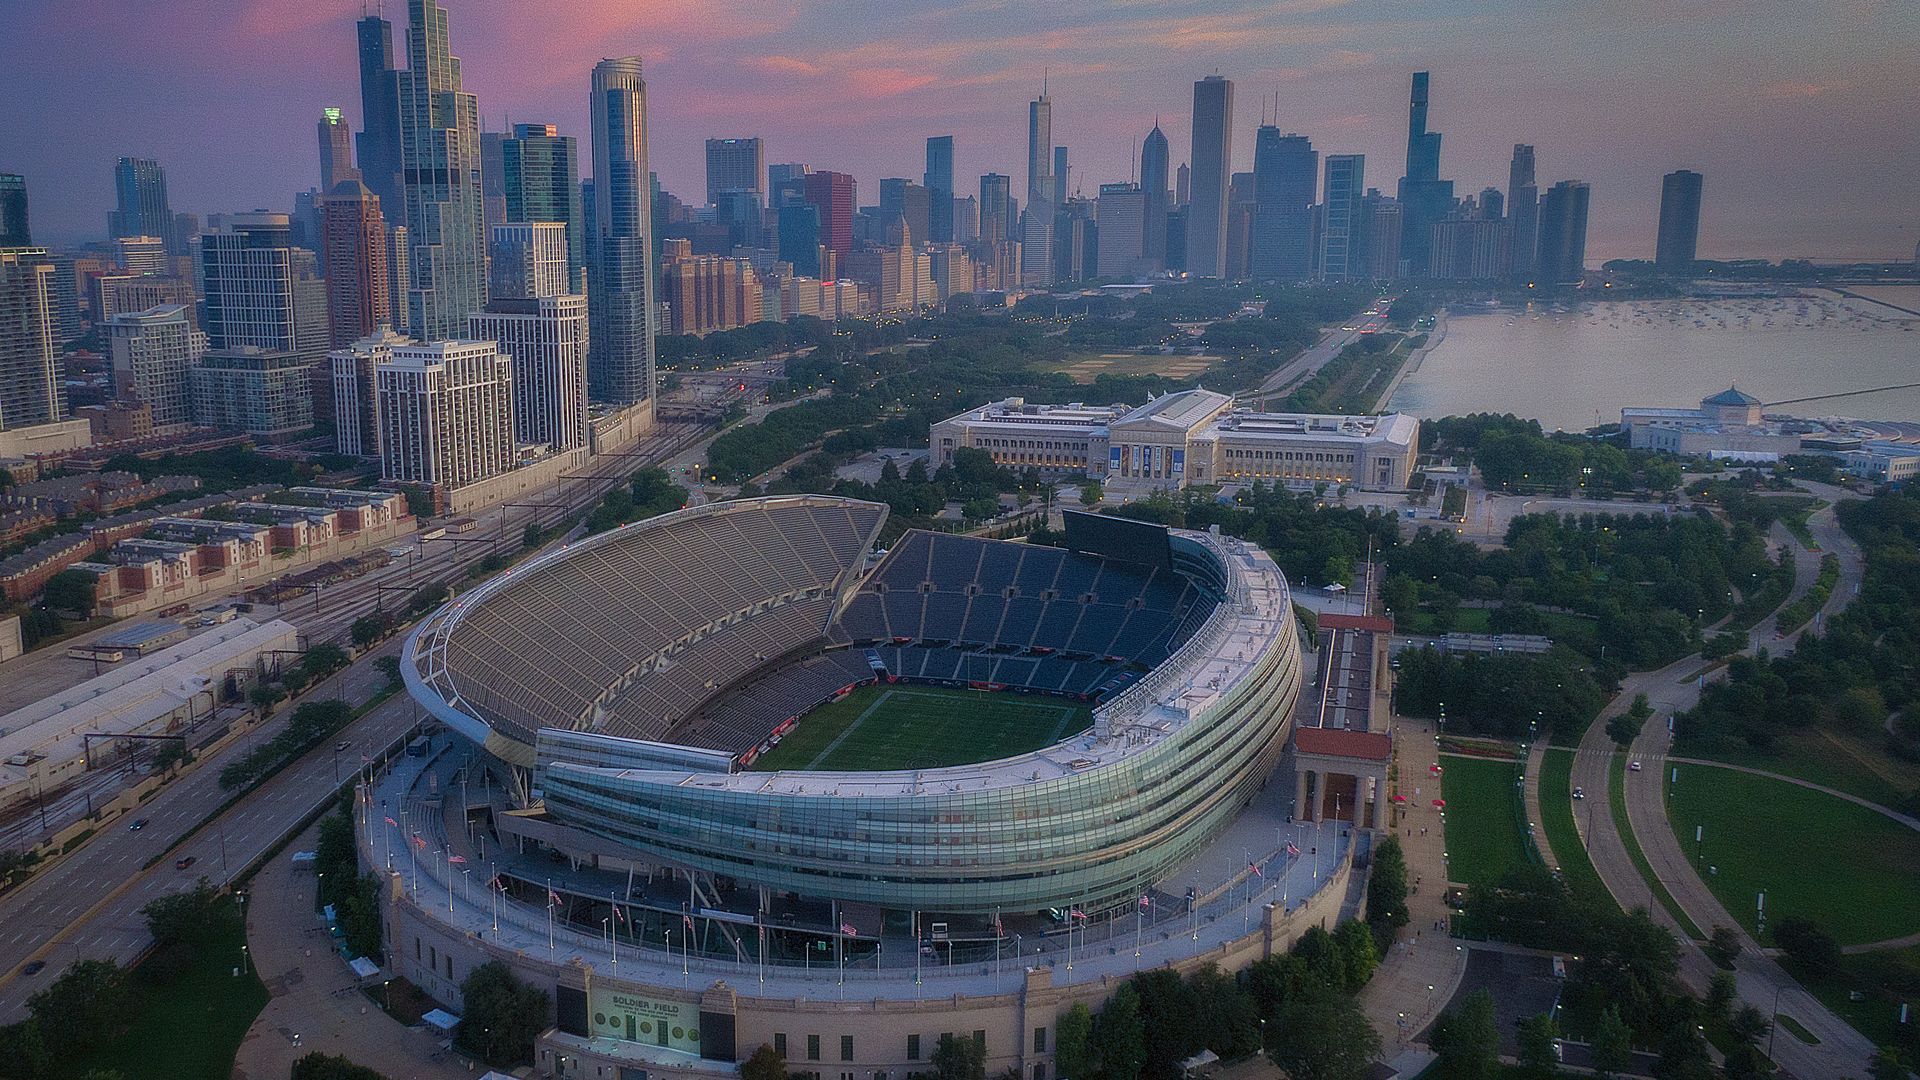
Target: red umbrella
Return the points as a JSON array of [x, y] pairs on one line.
[[1439, 804], [1435, 769], [1399, 798]]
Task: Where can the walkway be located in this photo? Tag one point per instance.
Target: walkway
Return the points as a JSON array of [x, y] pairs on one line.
[[1537, 760], [1842, 1051], [1418, 975], [316, 1004]]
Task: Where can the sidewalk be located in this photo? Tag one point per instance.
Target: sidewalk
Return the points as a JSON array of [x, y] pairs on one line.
[[1536, 760], [315, 1003], [1419, 974]]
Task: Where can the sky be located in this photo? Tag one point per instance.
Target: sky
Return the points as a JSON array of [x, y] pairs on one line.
[[1800, 113]]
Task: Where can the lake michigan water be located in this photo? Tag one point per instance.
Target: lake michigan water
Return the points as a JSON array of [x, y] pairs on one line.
[[1574, 366]]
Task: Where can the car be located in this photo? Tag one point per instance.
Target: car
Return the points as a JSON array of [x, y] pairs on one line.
[[183, 863], [1633, 766], [34, 967], [138, 824], [342, 745], [1579, 793]]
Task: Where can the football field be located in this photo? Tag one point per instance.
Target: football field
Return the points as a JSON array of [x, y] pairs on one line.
[[923, 727]]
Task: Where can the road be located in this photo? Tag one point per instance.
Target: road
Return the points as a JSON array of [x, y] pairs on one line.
[[88, 904], [1676, 688], [1311, 360]]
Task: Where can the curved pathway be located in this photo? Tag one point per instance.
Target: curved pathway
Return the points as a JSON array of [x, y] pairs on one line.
[[1841, 1051]]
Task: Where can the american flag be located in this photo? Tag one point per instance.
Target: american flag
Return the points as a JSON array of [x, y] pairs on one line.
[[1255, 867], [419, 841], [1077, 913], [393, 823], [1145, 901], [688, 919], [553, 898], [456, 859], [619, 913], [1293, 850], [847, 929]]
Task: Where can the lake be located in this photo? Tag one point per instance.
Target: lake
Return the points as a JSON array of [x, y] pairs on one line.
[[1574, 366]]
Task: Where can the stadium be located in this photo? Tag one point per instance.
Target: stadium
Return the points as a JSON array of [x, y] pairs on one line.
[[738, 741]]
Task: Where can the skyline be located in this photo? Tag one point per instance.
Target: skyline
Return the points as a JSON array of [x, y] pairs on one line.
[[1784, 112]]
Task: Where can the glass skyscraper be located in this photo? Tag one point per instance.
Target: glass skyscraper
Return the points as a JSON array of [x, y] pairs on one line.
[[1212, 160], [540, 170], [620, 282], [938, 179], [440, 158]]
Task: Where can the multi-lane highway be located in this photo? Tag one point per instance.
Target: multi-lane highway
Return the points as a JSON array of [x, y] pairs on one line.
[[88, 904]]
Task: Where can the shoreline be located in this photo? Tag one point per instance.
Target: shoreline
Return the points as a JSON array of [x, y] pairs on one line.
[[1413, 362]]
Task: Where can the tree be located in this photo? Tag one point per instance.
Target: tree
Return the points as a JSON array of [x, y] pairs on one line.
[[1803, 940], [1612, 1044], [183, 916], [24, 1050], [369, 629], [1722, 992], [1387, 892], [959, 1058], [1121, 1036], [1091, 492], [1357, 955], [765, 1064], [71, 590], [390, 667], [533, 535], [1723, 946], [1467, 1040], [1225, 1019], [1072, 1044], [1322, 1035], [323, 658], [319, 1066], [1624, 728], [503, 1015], [264, 697], [1887, 1065], [1539, 1039], [87, 1002]]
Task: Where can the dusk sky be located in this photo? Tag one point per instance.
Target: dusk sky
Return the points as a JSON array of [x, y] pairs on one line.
[[1800, 114]]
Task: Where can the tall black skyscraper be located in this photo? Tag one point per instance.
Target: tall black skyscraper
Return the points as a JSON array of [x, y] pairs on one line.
[[1212, 159], [1153, 186], [1424, 197], [1285, 171], [938, 180], [13, 212], [1523, 211], [140, 189], [1676, 248], [379, 139], [1563, 233]]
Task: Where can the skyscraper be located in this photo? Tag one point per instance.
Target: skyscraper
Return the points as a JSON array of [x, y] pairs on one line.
[[14, 230], [620, 363], [833, 195], [140, 188], [1122, 216], [142, 254], [1285, 169], [1182, 187], [909, 202], [786, 182], [1040, 148], [1563, 233], [541, 174], [735, 165], [1424, 197], [261, 291], [379, 138], [1212, 160], [799, 238], [440, 159], [1059, 174], [529, 260], [358, 288], [153, 351], [446, 412], [938, 179], [1153, 189], [1340, 239], [336, 149], [1676, 247], [356, 420], [31, 391], [545, 337], [1523, 211], [493, 185], [399, 275]]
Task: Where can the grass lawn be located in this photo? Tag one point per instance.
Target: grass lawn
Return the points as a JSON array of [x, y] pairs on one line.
[[1485, 834], [923, 727], [1557, 809], [1085, 366], [1840, 760], [1617, 803], [187, 1028], [1855, 872], [1882, 979]]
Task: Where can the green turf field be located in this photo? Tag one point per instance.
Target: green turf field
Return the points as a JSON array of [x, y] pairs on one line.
[[1853, 871], [1485, 836], [923, 727], [1557, 810]]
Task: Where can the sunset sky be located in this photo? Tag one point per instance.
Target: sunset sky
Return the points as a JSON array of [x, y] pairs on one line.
[[1800, 114]]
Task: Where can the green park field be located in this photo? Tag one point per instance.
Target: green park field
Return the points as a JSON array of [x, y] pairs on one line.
[[923, 727], [1853, 871], [1485, 834]]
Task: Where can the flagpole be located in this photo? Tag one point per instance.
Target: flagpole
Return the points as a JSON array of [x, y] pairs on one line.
[[550, 896], [613, 926], [839, 948], [448, 866]]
